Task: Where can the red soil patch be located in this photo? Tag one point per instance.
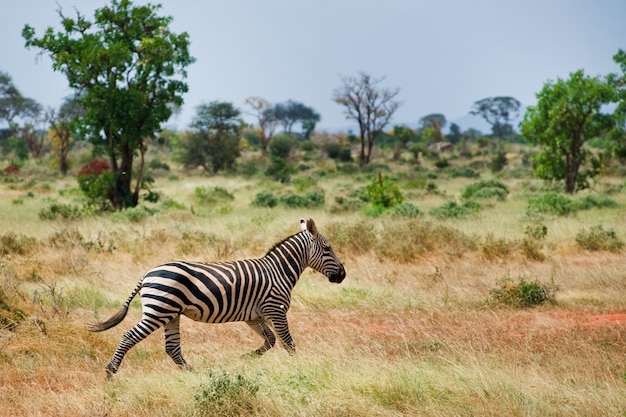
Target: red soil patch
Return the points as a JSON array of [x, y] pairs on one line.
[[582, 319]]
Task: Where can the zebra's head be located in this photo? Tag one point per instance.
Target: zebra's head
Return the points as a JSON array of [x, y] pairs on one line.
[[322, 258]]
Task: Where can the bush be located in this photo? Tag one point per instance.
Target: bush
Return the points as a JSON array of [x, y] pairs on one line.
[[66, 211], [452, 209], [383, 192], [465, 172], [495, 248], [596, 238], [486, 189], [265, 199], [280, 170], [405, 210], [550, 203], [12, 243], [225, 395], [205, 195], [96, 181], [309, 200], [523, 294], [595, 201]]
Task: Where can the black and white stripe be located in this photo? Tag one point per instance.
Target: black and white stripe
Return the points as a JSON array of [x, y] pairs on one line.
[[256, 291]]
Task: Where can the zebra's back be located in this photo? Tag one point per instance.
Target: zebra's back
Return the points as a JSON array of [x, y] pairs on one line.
[[216, 292]]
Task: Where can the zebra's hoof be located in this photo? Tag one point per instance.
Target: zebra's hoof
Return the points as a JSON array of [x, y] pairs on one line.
[[110, 371]]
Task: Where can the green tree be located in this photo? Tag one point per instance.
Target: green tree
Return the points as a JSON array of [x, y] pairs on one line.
[[130, 69], [13, 104], [433, 124], [292, 112], [368, 104], [213, 142], [498, 112], [568, 114]]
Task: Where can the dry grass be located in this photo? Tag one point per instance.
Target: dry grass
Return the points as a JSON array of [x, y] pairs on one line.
[[408, 333]]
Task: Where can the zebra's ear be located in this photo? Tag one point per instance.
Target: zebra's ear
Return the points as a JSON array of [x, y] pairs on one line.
[[310, 226], [302, 224]]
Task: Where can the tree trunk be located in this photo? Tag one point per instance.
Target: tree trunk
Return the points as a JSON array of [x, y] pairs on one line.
[[122, 195]]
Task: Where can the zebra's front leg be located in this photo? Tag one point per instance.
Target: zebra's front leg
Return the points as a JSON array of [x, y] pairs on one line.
[[261, 328], [172, 343], [280, 324]]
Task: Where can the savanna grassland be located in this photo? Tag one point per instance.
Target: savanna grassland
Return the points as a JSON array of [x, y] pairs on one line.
[[513, 309]]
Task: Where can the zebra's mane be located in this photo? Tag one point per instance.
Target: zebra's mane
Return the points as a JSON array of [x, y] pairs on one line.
[[280, 243]]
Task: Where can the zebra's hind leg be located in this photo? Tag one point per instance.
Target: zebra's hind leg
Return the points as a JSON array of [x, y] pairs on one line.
[[172, 342], [264, 330], [135, 335]]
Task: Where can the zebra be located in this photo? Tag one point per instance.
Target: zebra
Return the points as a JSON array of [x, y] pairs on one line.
[[256, 291]]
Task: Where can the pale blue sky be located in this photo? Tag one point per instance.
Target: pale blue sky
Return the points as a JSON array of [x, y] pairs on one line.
[[443, 55]]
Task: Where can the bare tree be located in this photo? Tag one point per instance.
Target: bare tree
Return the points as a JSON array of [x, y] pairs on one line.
[[370, 105], [262, 110]]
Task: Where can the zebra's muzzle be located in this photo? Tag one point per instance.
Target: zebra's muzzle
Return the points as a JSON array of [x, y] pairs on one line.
[[337, 276]]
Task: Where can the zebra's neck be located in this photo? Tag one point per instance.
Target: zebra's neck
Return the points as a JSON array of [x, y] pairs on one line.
[[290, 257]]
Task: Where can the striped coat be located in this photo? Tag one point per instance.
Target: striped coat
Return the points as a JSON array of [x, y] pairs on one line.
[[256, 291]]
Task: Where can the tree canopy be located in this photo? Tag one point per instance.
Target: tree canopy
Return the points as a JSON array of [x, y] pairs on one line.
[[568, 114], [213, 142], [498, 112], [129, 68], [13, 104]]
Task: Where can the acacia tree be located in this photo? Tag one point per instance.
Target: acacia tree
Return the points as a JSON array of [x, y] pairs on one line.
[[13, 104], [129, 68], [213, 142], [433, 124], [498, 112], [61, 132], [567, 115], [370, 105]]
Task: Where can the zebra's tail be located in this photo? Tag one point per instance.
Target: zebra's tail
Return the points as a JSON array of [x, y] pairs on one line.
[[117, 317]]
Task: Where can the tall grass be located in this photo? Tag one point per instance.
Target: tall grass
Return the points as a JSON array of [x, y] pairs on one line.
[[409, 332]]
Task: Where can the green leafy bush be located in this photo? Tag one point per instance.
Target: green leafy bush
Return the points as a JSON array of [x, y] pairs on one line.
[[486, 189], [523, 293], [205, 195], [265, 199], [384, 192], [595, 201], [451, 209], [596, 238], [464, 172], [66, 211], [309, 200], [550, 203], [225, 395], [405, 210], [96, 181]]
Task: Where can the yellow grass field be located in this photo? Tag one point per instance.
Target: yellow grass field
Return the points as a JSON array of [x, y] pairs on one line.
[[412, 331]]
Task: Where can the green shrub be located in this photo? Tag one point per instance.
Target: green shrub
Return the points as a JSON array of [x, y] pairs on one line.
[[66, 211], [309, 200], [304, 183], [451, 209], [405, 210], [596, 238], [384, 192], [498, 161], [486, 189], [464, 172], [442, 163], [225, 395], [550, 203], [265, 199], [522, 294], [205, 195], [280, 170], [96, 181], [595, 201]]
